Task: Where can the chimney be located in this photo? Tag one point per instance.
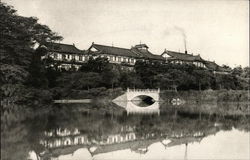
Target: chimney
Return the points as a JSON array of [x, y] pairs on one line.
[[73, 44], [186, 51]]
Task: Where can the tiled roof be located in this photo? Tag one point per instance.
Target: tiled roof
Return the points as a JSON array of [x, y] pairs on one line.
[[184, 140], [141, 46], [146, 54], [211, 65], [56, 152], [64, 48], [133, 145], [133, 52], [114, 50], [182, 56], [215, 67]]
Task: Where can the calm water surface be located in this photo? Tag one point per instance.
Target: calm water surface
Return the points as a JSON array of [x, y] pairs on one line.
[[78, 132]]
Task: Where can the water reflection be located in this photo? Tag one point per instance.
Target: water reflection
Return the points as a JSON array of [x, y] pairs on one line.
[[134, 107], [70, 132], [143, 101]]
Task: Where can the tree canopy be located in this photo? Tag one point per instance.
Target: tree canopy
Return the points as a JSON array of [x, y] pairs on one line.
[[19, 36]]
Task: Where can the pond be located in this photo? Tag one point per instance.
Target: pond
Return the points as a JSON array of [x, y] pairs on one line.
[[90, 131]]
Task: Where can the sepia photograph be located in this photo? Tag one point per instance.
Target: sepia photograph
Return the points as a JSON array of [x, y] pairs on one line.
[[124, 80]]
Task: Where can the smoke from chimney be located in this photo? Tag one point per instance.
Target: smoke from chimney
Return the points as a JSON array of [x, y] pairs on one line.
[[182, 31]]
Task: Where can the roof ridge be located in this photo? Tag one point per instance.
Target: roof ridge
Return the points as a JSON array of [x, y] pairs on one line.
[[70, 45], [183, 53], [175, 52], [62, 43], [112, 46]]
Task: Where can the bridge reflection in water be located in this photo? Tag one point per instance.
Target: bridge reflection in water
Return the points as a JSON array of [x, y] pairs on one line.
[[142, 101], [131, 108]]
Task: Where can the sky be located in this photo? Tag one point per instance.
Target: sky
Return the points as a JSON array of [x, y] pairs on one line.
[[218, 30]]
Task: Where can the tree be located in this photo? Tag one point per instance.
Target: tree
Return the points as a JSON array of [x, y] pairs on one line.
[[88, 80], [246, 72], [37, 72], [95, 65], [110, 76], [203, 78], [163, 81], [18, 38], [237, 71], [79, 80], [225, 81], [130, 80]]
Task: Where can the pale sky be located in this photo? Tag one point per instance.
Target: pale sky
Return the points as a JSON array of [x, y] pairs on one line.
[[218, 30]]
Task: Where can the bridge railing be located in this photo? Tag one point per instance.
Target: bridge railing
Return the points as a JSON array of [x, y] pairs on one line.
[[144, 90]]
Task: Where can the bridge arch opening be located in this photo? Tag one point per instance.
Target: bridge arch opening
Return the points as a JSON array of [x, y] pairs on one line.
[[143, 100]]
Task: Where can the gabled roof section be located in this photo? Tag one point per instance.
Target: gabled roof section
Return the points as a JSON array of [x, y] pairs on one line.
[[184, 140], [134, 52], [182, 56], [211, 65], [63, 48], [215, 67], [102, 49], [133, 145], [146, 54], [141, 46]]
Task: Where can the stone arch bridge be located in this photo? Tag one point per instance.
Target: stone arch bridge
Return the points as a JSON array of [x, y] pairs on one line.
[[126, 100], [132, 93]]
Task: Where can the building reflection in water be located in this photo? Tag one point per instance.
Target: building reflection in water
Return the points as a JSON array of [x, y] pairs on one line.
[[65, 141], [96, 134]]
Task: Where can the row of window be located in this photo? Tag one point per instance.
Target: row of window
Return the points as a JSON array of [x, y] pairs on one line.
[[198, 64], [120, 59], [84, 140], [67, 141], [69, 66], [112, 59], [120, 138], [57, 56], [69, 57]]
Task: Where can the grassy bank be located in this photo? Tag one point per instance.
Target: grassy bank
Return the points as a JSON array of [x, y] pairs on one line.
[[166, 96], [207, 96]]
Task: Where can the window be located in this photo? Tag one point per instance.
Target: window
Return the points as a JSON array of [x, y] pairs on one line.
[[64, 57], [124, 59], [68, 56], [59, 56], [77, 57], [80, 58], [79, 140], [55, 55], [119, 59], [110, 140], [118, 139], [73, 57]]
